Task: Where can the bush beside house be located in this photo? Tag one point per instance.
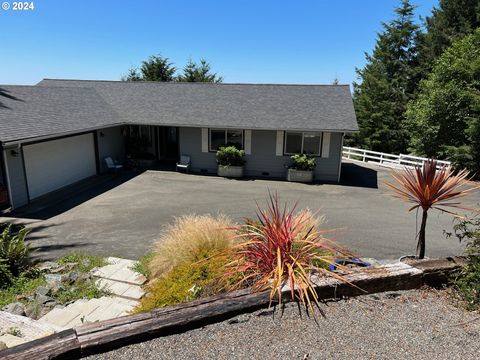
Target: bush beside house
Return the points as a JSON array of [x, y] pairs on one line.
[[230, 161], [302, 168]]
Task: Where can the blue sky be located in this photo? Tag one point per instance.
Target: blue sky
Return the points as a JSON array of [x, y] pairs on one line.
[[247, 41]]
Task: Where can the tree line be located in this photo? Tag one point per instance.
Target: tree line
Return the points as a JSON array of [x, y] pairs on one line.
[[159, 68], [419, 91]]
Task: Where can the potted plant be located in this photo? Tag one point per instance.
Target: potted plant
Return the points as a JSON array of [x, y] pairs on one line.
[[302, 168], [230, 162]]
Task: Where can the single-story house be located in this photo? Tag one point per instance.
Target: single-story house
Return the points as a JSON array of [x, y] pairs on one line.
[[59, 132]]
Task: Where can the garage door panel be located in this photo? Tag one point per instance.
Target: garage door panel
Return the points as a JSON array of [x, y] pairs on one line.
[[51, 165]]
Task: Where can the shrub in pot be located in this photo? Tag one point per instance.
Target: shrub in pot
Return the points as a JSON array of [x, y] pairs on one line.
[[230, 161], [302, 168]]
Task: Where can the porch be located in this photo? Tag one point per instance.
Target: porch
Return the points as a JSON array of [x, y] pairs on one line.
[[153, 147]]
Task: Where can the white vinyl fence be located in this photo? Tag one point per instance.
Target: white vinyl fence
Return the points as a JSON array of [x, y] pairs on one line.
[[385, 159]]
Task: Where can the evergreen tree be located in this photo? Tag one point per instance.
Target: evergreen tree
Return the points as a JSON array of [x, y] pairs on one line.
[[132, 75], [201, 72], [157, 68], [445, 119], [452, 20], [388, 82]]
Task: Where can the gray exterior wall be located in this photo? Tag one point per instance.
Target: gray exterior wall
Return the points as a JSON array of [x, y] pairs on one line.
[[18, 185], [111, 144], [262, 162]]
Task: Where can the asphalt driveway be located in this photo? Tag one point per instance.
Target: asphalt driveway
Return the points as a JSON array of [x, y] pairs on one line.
[[124, 215]]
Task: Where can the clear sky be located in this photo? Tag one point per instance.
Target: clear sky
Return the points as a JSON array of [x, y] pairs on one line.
[[246, 41]]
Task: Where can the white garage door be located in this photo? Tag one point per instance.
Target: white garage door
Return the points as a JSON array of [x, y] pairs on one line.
[[51, 165]]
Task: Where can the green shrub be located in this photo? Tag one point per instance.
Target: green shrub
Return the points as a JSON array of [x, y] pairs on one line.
[[230, 156], [13, 252], [303, 162], [186, 282], [467, 282]]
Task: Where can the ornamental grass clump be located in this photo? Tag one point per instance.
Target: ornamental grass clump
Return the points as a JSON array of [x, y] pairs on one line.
[[189, 239], [283, 247], [430, 186], [188, 261]]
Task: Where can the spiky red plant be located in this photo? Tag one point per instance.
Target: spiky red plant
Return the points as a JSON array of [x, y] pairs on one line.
[[282, 248], [430, 186]]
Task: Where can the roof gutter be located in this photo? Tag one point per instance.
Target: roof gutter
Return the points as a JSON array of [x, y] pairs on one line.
[[12, 144]]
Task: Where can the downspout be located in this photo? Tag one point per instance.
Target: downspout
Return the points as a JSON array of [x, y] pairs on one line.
[[341, 158], [6, 175]]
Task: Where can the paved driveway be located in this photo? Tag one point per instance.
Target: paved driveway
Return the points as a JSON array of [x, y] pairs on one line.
[[122, 217]]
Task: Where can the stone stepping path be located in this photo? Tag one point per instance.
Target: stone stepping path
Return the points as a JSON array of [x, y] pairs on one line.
[[87, 311], [28, 329], [120, 280]]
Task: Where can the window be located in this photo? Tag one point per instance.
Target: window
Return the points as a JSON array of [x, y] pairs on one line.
[[303, 143], [222, 137]]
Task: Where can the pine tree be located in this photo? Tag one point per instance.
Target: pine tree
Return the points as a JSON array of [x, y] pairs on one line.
[[193, 72], [452, 20], [132, 75], [387, 82], [157, 68]]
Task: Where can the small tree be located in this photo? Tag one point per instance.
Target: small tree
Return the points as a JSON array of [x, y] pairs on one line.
[[132, 75], [202, 72], [429, 187]]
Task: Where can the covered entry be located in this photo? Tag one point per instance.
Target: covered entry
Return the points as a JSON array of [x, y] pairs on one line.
[[51, 165]]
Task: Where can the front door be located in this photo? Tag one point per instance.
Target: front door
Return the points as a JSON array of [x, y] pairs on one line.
[[168, 143]]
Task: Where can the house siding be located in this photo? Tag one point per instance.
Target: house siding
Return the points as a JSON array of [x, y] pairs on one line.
[[18, 185], [262, 162], [111, 144]]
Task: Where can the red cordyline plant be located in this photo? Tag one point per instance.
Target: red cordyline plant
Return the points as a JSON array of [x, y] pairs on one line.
[[430, 186], [282, 247]]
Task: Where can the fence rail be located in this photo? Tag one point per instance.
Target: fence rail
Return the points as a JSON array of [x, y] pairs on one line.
[[385, 159]]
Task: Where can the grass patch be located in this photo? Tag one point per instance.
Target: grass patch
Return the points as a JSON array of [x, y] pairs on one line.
[[84, 262], [142, 266], [21, 285], [81, 289], [22, 288]]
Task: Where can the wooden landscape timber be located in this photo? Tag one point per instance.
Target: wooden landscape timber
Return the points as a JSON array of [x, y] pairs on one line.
[[106, 335]]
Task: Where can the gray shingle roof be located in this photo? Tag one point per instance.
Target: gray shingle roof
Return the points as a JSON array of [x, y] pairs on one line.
[[248, 106], [32, 111]]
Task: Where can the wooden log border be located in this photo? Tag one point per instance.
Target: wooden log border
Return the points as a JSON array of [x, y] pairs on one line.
[[110, 334]]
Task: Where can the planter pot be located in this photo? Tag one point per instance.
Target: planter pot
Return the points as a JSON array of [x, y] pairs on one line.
[[230, 171], [300, 176]]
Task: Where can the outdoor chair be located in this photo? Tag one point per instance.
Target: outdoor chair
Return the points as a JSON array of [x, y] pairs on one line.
[[184, 163], [111, 165]]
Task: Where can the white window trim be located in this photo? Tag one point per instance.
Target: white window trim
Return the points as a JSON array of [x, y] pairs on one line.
[[303, 139], [225, 130]]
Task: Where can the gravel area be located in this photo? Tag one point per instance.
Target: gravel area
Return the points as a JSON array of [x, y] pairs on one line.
[[417, 324]]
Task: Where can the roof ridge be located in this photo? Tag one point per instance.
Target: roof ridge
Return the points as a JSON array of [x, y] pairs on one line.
[[190, 83]]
